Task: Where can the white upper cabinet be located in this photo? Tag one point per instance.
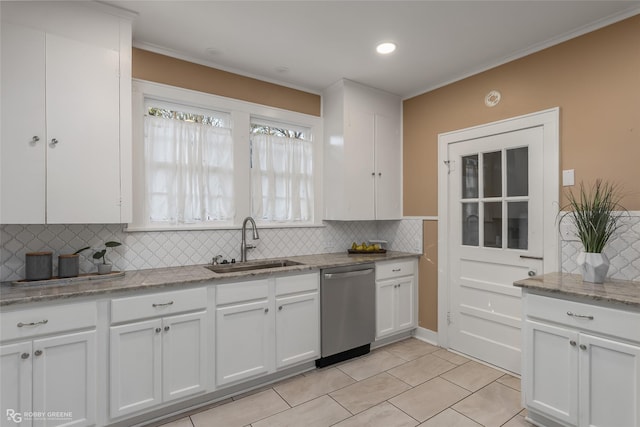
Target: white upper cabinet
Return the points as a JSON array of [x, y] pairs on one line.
[[362, 153], [66, 114]]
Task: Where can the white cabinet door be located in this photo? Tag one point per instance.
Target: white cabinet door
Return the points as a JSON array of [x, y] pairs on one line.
[[385, 307], [388, 161], [184, 356], [405, 316], [244, 334], [64, 378], [551, 371], [22, 163], [359, 167], [15, 383], [136, 366], [395, 305], [82, 99], [610, 382], [297, 329]]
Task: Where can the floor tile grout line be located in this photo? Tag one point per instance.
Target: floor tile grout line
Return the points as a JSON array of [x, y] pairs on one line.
[[466, 416], [401, 410]]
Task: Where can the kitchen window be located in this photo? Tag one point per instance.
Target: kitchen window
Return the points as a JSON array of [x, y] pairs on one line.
[[207, 181], [188, 165], [281, 172]]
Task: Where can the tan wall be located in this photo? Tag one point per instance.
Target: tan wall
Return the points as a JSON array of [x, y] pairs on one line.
[[175, 72], [594, 79], [428, 276]]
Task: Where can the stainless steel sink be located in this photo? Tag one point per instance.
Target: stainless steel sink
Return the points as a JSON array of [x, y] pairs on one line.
[[251, 265]]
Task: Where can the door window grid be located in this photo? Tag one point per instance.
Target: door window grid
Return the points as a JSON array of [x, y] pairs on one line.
[[512, 166]]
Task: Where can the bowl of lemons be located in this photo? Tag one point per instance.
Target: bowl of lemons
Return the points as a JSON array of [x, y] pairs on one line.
[[364, 248]]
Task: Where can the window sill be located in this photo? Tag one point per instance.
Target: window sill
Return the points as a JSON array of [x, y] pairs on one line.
[[261, 226]]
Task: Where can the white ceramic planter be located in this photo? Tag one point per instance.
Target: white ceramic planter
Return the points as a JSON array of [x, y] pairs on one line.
[[104, 268], [594, 266]]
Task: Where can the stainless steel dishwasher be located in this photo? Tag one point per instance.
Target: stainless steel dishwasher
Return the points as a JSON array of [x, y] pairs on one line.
[[348, 312]]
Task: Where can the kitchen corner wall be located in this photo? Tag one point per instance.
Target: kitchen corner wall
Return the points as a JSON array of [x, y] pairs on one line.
[[142, 250]]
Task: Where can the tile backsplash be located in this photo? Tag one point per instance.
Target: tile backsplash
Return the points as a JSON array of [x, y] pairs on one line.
[[156, 249], [623, 250]]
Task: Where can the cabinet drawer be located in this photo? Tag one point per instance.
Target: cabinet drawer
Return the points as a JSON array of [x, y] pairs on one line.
[[608, 321], [242, 291], [390, 269], [47, 320], [158, 304], [298, 283]]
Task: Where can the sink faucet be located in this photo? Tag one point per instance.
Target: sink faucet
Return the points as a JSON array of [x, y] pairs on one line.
[[243, 245]]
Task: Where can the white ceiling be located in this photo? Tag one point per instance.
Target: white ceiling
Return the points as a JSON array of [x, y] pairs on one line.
[[311, 44]]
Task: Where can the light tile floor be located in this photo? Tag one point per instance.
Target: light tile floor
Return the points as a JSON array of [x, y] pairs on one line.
[[408, 383]]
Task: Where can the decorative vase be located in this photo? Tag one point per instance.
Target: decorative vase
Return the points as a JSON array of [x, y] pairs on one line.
[[68, 265], [594, 266], [104, 268]]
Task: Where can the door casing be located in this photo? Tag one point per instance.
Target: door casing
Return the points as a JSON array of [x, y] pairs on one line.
[[549, 120]]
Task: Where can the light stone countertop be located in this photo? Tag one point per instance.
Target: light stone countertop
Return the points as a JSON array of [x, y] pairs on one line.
[[160, 278], [613, 291]]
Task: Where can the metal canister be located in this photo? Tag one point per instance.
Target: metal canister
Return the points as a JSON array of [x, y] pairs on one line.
[[38, 265]]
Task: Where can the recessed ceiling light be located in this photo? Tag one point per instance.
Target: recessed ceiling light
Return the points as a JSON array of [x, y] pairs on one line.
[[385, 48]]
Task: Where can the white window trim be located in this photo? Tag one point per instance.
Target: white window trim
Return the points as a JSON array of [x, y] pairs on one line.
[[241, 113]]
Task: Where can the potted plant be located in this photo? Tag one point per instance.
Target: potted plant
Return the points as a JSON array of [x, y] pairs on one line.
[[69, 264], [105, 267], [595, 213]]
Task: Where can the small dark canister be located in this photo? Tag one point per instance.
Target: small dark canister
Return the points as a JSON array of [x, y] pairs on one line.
[[68, 265], [38, 265]]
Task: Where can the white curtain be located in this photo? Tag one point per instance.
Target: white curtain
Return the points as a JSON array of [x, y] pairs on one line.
[[189, 172], [281, 178]]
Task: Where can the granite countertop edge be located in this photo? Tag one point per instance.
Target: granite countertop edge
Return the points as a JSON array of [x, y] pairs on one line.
[[172, 277], [625, 292]]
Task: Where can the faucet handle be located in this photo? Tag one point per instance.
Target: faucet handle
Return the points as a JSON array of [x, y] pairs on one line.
[[216, 260]]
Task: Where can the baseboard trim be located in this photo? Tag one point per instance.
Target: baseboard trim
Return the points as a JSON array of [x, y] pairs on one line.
[[426, 335]]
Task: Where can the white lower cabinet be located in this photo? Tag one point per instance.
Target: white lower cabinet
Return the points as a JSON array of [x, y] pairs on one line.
[[54, 375], [157, 360], [265, 325], [581, 367], [243, 335], [396, 297], [297, 329]]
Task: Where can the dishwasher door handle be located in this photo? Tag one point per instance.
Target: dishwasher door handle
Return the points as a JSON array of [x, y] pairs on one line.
[[348, 274]]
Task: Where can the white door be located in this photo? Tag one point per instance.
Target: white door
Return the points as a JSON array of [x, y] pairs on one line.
[[135, 366], [22, 164], [83, 117], [297, 329], [551, 370], [243, 336], [184, 355], [495, 237], [610, 391], [15, 384], [64, 379]]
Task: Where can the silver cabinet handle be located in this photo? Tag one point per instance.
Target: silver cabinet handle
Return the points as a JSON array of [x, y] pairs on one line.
[[582, 316], [573, 343], [266, 310], [37, 353], [54, 141], [35, 138], [164, 304], [395, 270], [373, 174], [583, 347], [166, 328], [158, 330], [280, 308], [24, 356], [41, 322]]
